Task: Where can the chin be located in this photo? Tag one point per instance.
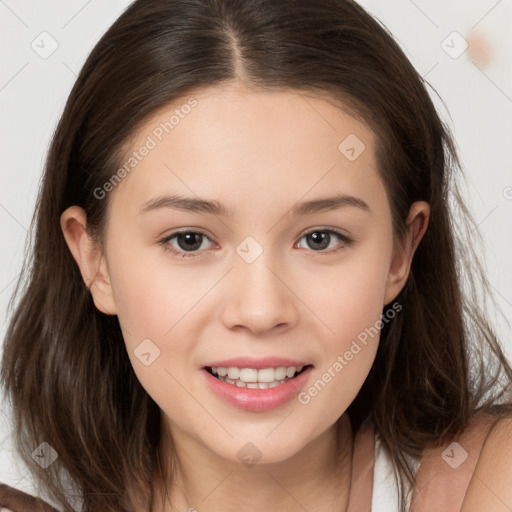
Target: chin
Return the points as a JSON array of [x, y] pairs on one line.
[[249, 451]]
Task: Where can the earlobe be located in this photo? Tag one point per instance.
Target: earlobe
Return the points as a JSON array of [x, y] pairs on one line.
[[416, 223], [89, 258]]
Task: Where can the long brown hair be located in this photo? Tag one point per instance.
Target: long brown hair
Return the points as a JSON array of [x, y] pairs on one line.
[[65, 366]]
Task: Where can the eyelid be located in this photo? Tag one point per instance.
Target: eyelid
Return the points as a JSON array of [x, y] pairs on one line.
[[184, 254], [347, 240], [328, 229]]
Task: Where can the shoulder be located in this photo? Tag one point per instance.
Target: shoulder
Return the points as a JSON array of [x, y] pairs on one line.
[[490, 483], [446, 470], [14, 500]]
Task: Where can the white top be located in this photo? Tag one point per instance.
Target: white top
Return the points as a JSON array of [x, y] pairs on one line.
[[385, 492]]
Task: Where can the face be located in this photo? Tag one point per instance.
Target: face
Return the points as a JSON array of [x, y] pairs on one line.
[[253, 235]]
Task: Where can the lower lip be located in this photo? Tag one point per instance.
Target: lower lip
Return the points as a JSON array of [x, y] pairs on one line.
[[257, 399]]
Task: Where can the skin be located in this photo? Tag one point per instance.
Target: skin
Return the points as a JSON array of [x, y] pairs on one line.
[[258, 153], [489, 488]]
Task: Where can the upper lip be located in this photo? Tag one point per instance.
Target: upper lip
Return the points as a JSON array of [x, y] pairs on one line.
[[256, 362]]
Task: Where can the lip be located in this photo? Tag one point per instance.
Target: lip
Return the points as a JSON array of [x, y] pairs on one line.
[[257, 400], [256, 363]]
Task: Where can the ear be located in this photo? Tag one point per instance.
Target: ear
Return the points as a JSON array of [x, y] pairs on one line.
[[403, 252], [89, 258]]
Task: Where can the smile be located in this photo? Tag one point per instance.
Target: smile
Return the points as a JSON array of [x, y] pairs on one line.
[[252, 378]]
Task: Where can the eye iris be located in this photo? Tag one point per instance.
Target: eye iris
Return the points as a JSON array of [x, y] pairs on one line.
[[192, 241], [318, 237]]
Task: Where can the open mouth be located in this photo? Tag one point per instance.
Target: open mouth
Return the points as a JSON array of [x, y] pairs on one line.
[[252, 378]]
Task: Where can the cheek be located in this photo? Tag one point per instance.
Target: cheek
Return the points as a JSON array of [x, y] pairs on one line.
[[352, 310], [349, 300], [348, 297], [153, 310], [152, 296], [158, 302]]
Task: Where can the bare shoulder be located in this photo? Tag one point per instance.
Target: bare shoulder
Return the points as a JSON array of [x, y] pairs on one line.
[[490, 487]]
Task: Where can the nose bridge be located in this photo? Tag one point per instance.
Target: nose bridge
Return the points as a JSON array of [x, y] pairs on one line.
[[258, 298]]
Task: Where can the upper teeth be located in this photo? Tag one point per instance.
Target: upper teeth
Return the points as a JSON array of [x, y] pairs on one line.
[[257, 375]]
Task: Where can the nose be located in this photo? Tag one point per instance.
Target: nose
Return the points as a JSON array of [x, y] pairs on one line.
[[259, 299]]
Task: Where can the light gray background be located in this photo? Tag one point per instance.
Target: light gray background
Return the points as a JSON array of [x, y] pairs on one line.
[[479, 110]]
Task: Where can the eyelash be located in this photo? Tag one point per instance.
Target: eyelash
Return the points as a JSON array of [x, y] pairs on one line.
[[168, 248]]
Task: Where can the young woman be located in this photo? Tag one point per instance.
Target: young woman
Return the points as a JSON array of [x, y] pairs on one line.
[[245, 291]]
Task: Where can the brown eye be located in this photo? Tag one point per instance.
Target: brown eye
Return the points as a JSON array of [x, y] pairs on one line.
[[189, 241], [321, 239], [184, 242]]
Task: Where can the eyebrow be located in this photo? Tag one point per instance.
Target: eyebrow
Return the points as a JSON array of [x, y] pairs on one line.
[[197, 205]]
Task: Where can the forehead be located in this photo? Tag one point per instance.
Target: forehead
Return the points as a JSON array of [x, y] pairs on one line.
[[231, 141]]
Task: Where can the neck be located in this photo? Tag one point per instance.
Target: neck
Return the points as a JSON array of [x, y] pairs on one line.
[[316, 478]]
